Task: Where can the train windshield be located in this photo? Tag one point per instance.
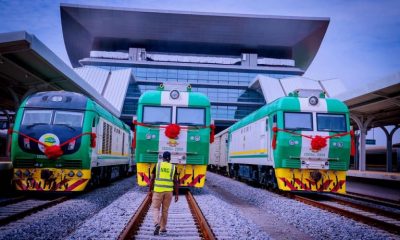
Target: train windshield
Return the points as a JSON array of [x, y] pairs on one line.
[[71, 119], [331, 122], [190, 116], [298, 121], [157, 115], [36, 117]]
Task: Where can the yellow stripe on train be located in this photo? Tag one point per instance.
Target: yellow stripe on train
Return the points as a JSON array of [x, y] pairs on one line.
[[311, 180], [51, 179], [189, 175], [263, 150]]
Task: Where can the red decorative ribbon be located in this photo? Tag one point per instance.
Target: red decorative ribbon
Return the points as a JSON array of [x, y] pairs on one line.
[[317, 142], [212, 134], [55, 151], [172, 131]]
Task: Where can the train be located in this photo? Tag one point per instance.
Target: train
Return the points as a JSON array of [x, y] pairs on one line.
[[300, 142], [175, 119], [64, 142]]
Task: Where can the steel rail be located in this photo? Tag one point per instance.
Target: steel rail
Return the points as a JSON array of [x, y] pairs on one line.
[[134, 223], [12, 200], [22, 214], [205, 228], [374, 199], [360, 206], [358, 217]]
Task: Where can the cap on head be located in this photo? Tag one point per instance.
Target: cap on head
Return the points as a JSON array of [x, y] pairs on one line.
[[167, 156]]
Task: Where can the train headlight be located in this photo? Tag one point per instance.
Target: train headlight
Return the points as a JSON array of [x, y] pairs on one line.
[[56, 98], [71, 145], [292, 142], [27, 173], [71, 174], [79, 174], [197, 138], [174, 94], [148, 136], [27, 144], [313, 100], [339, 144]]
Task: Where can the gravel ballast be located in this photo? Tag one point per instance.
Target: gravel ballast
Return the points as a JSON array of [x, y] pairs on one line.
[[61, 220], [317, 223]]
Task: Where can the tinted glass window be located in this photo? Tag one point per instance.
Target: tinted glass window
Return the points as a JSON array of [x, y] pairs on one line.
[[33, 117], [157, 115], [298, 121], [331, 122], [72, 119], [190, 116]]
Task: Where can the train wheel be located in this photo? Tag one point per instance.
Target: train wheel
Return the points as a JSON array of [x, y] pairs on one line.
[[123, 170], [94, 179], [230, 171], [273, 184]]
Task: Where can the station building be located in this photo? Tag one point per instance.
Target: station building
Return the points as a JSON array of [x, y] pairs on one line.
[[124, 52]]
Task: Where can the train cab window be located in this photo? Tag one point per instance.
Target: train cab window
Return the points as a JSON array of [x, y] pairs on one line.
[[71, 119], [331, 122], [191, 116], [298, 121], [157, 115], [36, 117], [266, 125]]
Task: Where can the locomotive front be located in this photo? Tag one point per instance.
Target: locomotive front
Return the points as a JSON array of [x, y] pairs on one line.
[[177, 120], [50, 143], [311, 144]]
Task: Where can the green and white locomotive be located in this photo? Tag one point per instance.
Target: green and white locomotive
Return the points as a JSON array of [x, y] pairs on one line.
[[61, 141], [177, 120], [301, 142]]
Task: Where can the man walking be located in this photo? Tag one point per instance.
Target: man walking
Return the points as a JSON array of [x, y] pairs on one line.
[[164, 180]]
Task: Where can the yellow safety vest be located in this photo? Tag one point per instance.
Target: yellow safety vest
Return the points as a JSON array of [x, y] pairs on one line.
[[164, 181]]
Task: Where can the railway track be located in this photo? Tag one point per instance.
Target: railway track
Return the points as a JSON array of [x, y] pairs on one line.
[[374, 216], [19, 208], [185, 221], [374, 200]]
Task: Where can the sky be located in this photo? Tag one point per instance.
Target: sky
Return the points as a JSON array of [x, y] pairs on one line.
[[362, 43]]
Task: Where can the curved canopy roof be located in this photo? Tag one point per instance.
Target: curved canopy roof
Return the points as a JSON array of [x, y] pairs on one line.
[[87, 28], [28, 66]]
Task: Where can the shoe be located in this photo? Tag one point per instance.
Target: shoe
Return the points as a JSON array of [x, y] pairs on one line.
[[163, 232], [157, 229]]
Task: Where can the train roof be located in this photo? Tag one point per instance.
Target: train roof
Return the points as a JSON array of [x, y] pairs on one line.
[[286, 104], [69, 101], [153, 97], [57, 99]]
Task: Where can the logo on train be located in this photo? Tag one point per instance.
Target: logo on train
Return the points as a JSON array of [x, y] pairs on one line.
[[172, 142], [49, 139]]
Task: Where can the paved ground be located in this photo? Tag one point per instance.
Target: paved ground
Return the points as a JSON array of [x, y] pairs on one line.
[[382, 189]]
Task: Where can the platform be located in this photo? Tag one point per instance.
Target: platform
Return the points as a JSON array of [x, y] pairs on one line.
[[391, 176], [382, 185]]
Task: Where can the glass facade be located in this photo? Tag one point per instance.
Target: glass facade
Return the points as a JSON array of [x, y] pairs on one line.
[[230, 97]]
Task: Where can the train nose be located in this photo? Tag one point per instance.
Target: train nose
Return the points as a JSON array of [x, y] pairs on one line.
[[46, 174], [315, 175]]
